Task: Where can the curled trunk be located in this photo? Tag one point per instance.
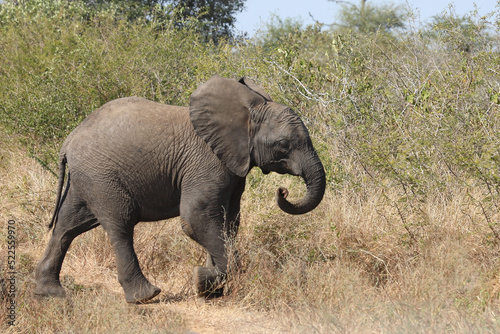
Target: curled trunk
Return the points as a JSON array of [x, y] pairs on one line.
[[313, 174]]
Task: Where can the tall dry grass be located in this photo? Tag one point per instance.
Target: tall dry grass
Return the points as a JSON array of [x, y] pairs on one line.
[[406, 240], [348, 267]]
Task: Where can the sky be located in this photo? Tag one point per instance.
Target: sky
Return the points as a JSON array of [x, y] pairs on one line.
[[258, 12]]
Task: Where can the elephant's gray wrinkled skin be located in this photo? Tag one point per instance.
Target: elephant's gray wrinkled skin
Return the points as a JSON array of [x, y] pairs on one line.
[[135, 160]]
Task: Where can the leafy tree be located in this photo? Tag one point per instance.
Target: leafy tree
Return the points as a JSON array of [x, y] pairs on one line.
[[460, 33], [367, 18], [278, 31], [130, 9], [216, 17]]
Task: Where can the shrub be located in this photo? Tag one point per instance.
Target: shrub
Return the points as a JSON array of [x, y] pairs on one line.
[[407, 127]]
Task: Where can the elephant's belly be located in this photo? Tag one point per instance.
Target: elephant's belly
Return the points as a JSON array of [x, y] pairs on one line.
[[158, 205], [153, 214]]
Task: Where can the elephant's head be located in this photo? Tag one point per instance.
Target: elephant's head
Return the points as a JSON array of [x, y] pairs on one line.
[[245, 128]]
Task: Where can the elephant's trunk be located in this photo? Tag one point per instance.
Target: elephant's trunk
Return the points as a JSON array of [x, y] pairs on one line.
[[314, 177]]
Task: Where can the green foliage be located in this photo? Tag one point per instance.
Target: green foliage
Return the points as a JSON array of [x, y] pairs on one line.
[[215, 18], [407, 127], [410, 116], [368, 18], [128, 9], [57, 69], [278, 31], [12, 12], [464, 33]]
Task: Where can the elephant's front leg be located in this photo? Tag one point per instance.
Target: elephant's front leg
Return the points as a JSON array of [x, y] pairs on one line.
[[206, 228], [208, 280], [212, 220]]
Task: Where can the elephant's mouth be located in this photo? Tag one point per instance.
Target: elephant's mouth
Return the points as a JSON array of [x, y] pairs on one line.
[[280, 167], [265, 171]]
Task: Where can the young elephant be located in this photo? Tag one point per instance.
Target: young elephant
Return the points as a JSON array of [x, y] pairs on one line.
[[136, 160]]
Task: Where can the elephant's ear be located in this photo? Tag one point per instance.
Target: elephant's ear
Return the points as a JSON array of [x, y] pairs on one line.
[[220, 113], [256, 88]]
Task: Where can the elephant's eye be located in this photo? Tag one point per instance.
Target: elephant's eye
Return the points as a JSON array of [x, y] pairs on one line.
[[282, 147]]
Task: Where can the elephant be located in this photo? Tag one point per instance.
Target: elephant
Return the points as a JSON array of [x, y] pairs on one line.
[[134, 160]]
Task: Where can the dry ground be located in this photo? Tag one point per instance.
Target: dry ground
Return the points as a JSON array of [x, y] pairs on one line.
[[351, 266]]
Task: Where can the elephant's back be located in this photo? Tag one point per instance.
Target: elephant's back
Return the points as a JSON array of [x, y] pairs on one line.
[[126, 134], [132, 111], [128, 120]]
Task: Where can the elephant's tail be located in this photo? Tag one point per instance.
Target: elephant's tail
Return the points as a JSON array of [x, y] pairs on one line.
[[60, 185]]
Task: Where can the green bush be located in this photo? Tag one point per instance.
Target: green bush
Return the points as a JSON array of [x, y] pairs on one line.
[[409, 115]]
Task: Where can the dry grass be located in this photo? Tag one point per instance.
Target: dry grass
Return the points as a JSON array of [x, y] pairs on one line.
[[351, 266]]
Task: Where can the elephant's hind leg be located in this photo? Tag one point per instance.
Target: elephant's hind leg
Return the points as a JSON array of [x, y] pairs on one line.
[[73, 219], [136, 287]]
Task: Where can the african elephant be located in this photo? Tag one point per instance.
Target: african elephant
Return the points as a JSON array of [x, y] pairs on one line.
[[136, 160]]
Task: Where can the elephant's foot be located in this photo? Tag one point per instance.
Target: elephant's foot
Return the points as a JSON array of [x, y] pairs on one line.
[[53, 289], [209, 283], [141, 293], [47, 281]]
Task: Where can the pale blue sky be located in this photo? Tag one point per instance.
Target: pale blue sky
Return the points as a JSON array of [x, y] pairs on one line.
[[258, 12]]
